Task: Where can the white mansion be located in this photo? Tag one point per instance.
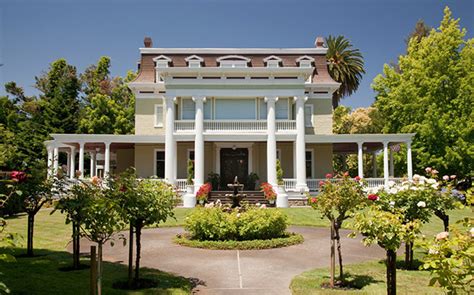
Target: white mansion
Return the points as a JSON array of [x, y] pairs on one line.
[[233, 111]]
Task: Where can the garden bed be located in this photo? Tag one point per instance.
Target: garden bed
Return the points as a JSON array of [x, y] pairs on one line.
[[288, 240]]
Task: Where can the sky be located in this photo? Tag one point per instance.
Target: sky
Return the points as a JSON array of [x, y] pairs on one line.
[[33, 33]]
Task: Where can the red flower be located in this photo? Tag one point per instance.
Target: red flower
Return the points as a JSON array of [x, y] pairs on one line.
[[321, 183], [18, 176], [313, 200], [357, 178], [123, 189], [373, 197], [268, 191], [346, 174], [329, 175]]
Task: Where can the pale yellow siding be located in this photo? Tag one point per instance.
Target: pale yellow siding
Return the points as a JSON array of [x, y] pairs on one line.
[[322, 116], [125, 160], [145, 117], [322, 159], [145, 159]]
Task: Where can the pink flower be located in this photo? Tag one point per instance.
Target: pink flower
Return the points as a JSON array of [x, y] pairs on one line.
[[453, 176], [357, 178], [18, 176], [434, 172], [373, 197], [442, 235], [329, 175], [446, 177], [346, 174], [313, 200], [322, 183], [428, 169], [95, 180]]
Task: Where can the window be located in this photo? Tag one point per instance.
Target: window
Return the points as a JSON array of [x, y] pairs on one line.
[[188, 109], [309, 163], [191, 155], [279, 154], [308, 115], [233, 61], [263, 109], [158, 115], [208, 109], [194, 61], [160, 164], [272, 61], [235, 109], [162, 61], [305, 61], [281, 109]]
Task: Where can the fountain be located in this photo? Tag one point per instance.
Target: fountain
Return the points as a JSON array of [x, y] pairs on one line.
[[236, 197]]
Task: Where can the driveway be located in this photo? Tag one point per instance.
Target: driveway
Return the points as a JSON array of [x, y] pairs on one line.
[[240, 272]]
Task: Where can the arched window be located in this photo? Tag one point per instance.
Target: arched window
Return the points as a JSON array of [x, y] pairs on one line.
[[233, 61]]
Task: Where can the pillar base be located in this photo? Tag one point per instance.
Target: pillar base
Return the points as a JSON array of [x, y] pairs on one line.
[[189, 200], [302, 188], [282, 197]]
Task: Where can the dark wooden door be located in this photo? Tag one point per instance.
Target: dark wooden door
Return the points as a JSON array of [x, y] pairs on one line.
[[234, 162]]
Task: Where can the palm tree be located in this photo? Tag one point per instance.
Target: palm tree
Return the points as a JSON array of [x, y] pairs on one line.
[[346, 66]]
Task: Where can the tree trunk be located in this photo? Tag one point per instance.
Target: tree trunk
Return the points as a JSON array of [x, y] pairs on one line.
[[339, 252], [333, 256], [444, 217], [391, 272], [99, 269], [409, 255], [138, 233], [31, 225], [76, 248], [130, 256]]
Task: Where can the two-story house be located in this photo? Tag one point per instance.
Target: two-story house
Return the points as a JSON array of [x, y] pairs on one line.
[[233, 111]]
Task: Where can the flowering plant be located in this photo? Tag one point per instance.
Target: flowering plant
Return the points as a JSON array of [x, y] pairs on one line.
[[18, 176], [268, 191], [203, 192]]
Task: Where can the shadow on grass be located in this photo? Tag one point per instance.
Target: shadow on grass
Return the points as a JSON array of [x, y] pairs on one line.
[[400, 264], [351, 281], [42, 275]]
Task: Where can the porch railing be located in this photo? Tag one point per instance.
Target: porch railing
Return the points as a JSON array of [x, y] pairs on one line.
[[313, 183], [181, 184], [217, 126]]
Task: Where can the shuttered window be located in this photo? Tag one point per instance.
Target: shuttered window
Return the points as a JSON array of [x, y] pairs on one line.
[[281, 109], [188, 109], [158, 115], [308, 115]]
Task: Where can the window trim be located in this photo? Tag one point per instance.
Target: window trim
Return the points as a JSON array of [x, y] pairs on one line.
[[188, 153], [154, 159], [159, 124], [312, 162], [311, 125]]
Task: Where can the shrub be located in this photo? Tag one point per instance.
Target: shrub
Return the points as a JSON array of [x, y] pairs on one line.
[[203, 192], [268, 191], [219, 224], [279, 172]]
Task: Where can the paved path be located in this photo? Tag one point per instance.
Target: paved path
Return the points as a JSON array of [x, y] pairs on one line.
[[240, 272]]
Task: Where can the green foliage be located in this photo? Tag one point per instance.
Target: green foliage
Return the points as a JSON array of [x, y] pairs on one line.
[[346, 66], [220, 224], [214, 179], [252, 181], [431, 94], [288, 240], [279, 173], [450, 258], [190, 177]]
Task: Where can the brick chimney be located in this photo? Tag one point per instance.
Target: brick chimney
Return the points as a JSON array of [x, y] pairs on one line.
[[148, 42], [319, 42]]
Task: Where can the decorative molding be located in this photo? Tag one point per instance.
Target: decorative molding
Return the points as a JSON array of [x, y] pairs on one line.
[[310, 50]]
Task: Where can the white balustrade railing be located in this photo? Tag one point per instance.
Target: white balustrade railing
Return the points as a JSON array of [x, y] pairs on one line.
[[313, 183], [181, 184], [289, 183], [217, 126]]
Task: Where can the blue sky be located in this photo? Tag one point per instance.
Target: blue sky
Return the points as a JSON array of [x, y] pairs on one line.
[[34, 33]]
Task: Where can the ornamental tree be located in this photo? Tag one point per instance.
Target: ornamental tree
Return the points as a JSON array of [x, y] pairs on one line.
[[388, 230], [337, 201], [144, 202]]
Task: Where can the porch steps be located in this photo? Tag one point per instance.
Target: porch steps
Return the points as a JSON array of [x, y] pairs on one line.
[[253, 197]]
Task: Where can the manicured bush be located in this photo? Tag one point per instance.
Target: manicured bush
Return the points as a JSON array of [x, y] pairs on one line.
[[222, 223]]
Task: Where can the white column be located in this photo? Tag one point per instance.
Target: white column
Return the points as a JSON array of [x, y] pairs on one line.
[[374, 164], [92, 164], [199, 142], [107, 159], [68, 162], [50, 160], [170, 146], [385, 162], [271, 140], [391, 167], [55, 160], [300, 144], [409, 161], [360, 159], [81, 159], [72, 163]]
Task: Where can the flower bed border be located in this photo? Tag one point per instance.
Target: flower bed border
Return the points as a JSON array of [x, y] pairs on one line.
[[290, 240]]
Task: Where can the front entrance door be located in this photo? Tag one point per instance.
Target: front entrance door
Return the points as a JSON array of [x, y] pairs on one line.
[[234, 162]]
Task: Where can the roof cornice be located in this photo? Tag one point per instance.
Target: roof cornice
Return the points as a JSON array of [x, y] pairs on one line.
[[303, 51]]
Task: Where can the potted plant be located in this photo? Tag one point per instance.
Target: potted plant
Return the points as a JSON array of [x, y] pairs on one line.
[[189, 179], [282, 196], [268, 192], [214, 179], [203, 193]]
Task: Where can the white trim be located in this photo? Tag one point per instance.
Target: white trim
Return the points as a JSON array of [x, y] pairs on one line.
[[154, 159], [310, 50], [239, 145], [233, 58], [189, 153], [161, 58], [158, 124], [305, 57], [272, 57], [194, 57], [312, 162], [354, 138], [312, 115]]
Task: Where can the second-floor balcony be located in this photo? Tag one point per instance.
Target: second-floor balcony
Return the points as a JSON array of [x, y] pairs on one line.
[[235, 126]]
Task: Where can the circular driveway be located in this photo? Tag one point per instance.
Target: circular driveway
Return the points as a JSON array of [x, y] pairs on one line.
[[240, 271]]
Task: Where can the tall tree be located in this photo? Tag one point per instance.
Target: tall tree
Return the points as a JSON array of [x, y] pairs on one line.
[[433, 96], [59, 99], [421, 30], [346, 66]]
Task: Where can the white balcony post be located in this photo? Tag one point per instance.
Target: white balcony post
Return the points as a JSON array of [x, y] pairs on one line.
[[92, 164], [170, 146], [360, 159], [409, 161], [300, 145], [106, 159], [55, 160], [271, 140], [72, 163], [50, 160], [199, 142], [385, 162], [81, 159]]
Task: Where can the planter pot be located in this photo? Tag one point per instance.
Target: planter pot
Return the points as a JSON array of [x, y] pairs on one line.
[[271, 202], [201, 202], [189, 189], [282, 197]]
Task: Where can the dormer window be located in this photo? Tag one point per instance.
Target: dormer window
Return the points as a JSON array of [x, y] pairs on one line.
[[305, 61], [162, 61], [272, 61], [194, 61], [233, 61]]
